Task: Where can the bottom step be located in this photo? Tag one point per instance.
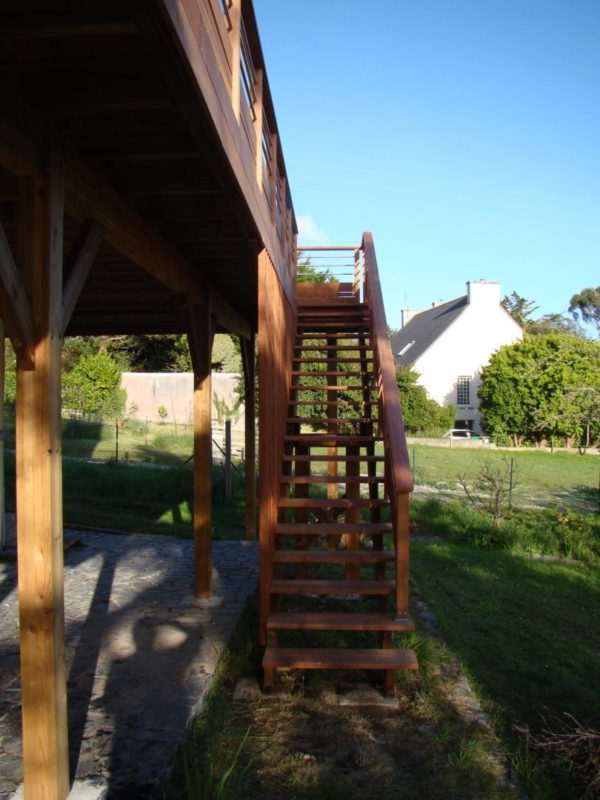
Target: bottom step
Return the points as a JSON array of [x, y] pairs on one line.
[[336, 658]]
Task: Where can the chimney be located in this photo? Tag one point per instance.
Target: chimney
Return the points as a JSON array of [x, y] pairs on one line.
[[483, 293]]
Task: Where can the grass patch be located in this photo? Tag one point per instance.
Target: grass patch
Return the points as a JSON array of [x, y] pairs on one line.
[[548, 532], [528, 633], [306, 745], [129, 497], [542, 479]]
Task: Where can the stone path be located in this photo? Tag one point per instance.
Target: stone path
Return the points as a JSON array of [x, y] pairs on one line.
[[140, 654]]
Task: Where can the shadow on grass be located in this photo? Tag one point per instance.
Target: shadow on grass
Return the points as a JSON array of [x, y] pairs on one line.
[[135, 498], [305, 745], [528, 631]]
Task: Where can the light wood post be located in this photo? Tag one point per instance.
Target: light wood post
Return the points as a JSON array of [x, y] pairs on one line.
[[39, 493], [200, 340], [248, 362]]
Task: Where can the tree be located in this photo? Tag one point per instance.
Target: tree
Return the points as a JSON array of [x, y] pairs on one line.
[[422, 415], [91, 389], [519, 308], [306, 272], [586, 305], [153, 353], [526, 391], [554, 323]]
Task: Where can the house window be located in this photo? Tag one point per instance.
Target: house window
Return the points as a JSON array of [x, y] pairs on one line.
[[463, 390]]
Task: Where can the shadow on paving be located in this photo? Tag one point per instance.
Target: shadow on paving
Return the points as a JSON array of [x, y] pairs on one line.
[[140, 652]]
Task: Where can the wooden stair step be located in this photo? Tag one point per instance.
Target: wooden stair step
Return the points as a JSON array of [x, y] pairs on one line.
[[351, 403], [350, 479], [331, 587], [331, 420], [334, 621], [332, 528], [327, 457], [330, 439], [333, 387], [360, 309], [306, 373], [346, 335], [336, 324], [333, 556], [338, 348], [330, 658], [321, 360], [326, 502], [307, 308]]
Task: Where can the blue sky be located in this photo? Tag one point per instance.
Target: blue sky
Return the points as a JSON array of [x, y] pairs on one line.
[[465, 134]]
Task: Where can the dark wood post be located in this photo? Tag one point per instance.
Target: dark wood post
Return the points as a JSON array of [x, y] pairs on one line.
[[248, 362]]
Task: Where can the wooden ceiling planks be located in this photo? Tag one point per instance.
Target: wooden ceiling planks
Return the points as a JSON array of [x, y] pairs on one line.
[[95, 78]]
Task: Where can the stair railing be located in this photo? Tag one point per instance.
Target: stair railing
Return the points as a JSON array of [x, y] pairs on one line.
[[398, 474]]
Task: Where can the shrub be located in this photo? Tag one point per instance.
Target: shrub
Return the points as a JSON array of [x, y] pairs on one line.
[[91, 389]]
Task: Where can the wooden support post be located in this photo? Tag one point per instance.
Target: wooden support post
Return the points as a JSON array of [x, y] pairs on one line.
[[332, 427], [39, 493], [227, 465], [353, 514], [200, 340], [401, 509], [2, 376], [248, 362]]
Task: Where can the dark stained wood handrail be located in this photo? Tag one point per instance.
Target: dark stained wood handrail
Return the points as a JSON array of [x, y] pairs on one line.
[[391, 414], [397, 464]]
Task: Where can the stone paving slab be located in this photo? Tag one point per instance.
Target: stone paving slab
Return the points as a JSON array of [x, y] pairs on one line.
[[140, 653]]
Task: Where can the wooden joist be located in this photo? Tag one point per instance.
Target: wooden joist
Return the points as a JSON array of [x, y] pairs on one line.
[[15, 306], [78, 268], [88, 196]]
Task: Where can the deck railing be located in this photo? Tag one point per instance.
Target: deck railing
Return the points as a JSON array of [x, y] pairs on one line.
[[222, 35], [253, 108], [350, 274], [398, 474]]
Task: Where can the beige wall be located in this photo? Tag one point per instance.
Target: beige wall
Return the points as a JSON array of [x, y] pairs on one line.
[[174, 390]]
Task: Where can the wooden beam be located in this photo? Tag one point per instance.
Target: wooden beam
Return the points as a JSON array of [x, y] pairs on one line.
[[81, 260], [18, 301], [88, 196], [248, 363], [39, 497], [200, 339]]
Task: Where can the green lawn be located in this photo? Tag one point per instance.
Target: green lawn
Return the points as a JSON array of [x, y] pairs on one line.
[[144, 499], [541, 478], [527, 632]]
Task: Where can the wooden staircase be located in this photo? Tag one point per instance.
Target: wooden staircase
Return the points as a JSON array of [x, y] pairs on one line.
[[332, 555]]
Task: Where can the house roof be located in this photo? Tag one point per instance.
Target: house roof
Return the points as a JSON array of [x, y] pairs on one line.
[[423, 329]]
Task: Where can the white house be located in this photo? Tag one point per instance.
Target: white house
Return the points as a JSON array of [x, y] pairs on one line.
[[449, 344]]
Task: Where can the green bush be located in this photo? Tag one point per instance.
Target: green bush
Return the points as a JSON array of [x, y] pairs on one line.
[[91, 389], [422, 415]]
